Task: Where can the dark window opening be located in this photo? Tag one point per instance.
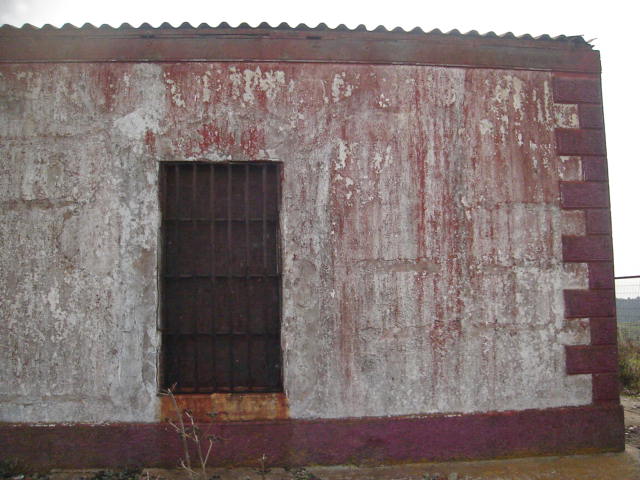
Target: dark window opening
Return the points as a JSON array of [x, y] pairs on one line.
[[221, 277]]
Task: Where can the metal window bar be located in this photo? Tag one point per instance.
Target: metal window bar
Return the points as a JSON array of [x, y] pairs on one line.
[[194, 318], [247, 242], [229, 309], [229, 284]]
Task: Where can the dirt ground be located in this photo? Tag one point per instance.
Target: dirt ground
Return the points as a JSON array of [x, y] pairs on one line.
[[613, 466], [631, 420]]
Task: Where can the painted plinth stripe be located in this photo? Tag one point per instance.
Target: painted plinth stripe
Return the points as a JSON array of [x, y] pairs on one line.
[[352, 441]]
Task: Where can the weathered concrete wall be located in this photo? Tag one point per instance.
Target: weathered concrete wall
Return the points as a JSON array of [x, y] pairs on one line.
[[78, 260], [420, 217]]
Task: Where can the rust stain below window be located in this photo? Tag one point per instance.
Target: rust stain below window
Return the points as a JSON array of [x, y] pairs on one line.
[[228, 407]]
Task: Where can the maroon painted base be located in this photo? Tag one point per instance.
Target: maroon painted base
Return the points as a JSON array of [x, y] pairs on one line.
[[353, 441]]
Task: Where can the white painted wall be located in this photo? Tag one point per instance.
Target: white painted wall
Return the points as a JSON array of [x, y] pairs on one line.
[[420, 217]]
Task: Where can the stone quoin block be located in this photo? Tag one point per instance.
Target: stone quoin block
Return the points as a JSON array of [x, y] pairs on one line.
[[590, 116], [593, 248], [576, 90], [594, 169], [584, 195], [591, 359], [589, 303], [598, 221], [606, 387], [604, 331], [576, 141], [601, 275]]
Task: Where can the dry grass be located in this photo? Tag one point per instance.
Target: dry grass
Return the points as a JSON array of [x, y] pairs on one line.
[[629, 364]]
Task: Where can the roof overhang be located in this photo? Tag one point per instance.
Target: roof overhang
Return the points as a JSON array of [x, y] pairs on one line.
[[299, 44]]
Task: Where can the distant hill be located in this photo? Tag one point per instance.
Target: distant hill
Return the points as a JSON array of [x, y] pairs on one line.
[[628, 309]]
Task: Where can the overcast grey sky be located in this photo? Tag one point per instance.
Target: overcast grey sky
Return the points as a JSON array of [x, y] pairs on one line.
[[612, 24]]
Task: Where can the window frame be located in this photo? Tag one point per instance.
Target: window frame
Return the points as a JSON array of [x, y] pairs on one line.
[[164, 381]]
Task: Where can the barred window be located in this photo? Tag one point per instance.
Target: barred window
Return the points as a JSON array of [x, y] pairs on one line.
[[221, 276]]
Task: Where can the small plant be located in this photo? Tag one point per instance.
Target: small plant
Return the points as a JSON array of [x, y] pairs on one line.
[[629, 364], [433, 476], [14, 470], [191, 433], [263, 470], [125, 474], [303, 474], [9, 468], [439, 476]]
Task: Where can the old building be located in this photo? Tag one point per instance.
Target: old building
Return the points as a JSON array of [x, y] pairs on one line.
[[352, 246]]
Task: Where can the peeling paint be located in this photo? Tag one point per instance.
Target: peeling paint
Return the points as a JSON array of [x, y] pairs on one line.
[[566, 115], [420, 217]]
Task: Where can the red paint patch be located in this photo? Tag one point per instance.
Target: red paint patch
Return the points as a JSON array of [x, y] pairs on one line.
[[252, 141], [108, 82], [150, 141], [213, 135], [261, 98]]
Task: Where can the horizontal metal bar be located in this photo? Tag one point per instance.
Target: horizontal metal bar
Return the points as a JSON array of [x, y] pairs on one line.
[[218, 334], [204, 276], [223, 389], [207, 220], [627, 277], [223, 165]]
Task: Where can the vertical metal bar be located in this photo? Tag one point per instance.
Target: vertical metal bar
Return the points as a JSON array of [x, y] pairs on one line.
[[277, 219], [279, 270], [178, 327], [229, 276], [264, 221], [265, 277], [197, 299], [212, 274], [163, 268], [164, 209], [246, 274], [177, 209]]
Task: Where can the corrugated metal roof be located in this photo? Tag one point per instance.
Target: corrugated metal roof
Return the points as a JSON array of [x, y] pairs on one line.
[[302, 27], [284, 43]]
